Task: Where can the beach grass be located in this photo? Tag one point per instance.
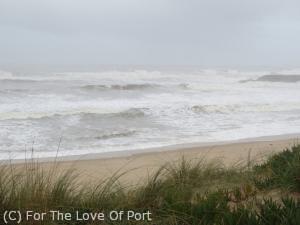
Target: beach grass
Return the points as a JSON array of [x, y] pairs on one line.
[[184, 192]]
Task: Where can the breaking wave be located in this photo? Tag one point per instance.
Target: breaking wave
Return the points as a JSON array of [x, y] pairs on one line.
[[133, 113], [130, 113], [116, 134], [126, 114], [276, 78], [18, 81], [236, 108], [120, 87], [130, 87]]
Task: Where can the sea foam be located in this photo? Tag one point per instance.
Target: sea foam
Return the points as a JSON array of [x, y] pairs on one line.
[[120, 110]]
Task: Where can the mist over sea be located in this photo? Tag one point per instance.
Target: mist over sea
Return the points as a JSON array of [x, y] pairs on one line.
[[117, 110]]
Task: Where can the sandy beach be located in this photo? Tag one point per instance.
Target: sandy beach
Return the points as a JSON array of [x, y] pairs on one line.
[[137, 165]]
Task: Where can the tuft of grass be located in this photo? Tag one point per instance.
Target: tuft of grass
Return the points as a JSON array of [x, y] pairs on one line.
[[281, 170], [31, 187]]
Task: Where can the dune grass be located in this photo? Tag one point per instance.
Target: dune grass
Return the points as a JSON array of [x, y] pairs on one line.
[[185, 192], [281, 170]]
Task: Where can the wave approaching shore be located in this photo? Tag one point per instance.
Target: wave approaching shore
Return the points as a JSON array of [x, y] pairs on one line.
[[125, 110]]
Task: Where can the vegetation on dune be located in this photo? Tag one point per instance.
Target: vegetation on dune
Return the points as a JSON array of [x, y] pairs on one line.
[[188, 192], [281, 171]]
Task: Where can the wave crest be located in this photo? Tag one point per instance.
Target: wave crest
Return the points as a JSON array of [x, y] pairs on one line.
[[120, 87], [213, 109], [276, 78], [116, 134], [236, 108], [130, 113]]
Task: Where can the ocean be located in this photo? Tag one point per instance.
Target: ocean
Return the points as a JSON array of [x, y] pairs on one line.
[[75, 113]]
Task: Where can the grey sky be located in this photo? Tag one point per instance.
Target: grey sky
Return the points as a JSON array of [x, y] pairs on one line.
[[158, 32]]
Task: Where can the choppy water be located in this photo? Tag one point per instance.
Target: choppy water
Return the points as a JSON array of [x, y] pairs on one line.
[[121, 110]]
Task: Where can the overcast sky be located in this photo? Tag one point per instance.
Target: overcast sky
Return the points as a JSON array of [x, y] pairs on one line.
[[208, 33]]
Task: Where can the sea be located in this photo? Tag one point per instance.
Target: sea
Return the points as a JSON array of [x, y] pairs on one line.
[[49, 114]]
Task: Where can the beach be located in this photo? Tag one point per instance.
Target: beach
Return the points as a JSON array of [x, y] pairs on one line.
[[138, 165]]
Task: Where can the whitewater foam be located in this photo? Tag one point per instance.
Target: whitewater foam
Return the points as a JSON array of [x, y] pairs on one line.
[[121, 110]]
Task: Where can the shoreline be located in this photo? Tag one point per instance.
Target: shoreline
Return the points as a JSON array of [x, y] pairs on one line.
[[137, 166], [167, 148]]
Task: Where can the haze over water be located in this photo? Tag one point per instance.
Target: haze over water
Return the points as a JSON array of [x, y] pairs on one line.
[[117, 110]]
